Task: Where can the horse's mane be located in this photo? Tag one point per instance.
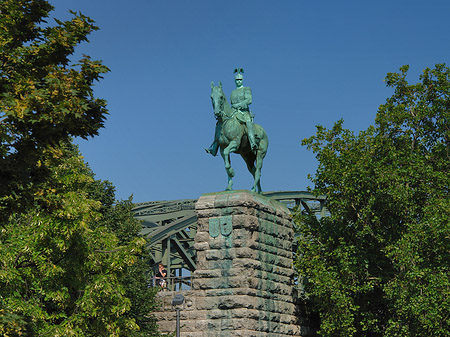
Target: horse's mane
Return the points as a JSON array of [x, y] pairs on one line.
[[227, 107]]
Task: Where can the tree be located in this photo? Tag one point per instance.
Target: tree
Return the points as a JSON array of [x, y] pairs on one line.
[[62, 270], [379, 264], [118, 218], [44, 99], [64, 255]]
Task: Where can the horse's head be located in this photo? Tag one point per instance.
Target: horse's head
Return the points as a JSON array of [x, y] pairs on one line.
[[218, 99]]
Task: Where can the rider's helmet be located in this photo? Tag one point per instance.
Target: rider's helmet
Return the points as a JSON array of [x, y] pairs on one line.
[[239, 72]]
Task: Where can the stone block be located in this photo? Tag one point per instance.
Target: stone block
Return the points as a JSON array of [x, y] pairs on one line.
[[246, 291], [244, 323], [203, 225], [202, 236], [276, 301], [199, 246], [217, 314], [288, 319], [247, 264], [274, 249], [245, 252], [273, 259], [245, 313], [238, 243], [203, 325], [220, 242], [207, 273], [288, 272], [241, 233], [245, 221], [245, 333], [240, 272], [211, 283], [238, 210], [218, 292], [217, 254], [206, 303], [237, 199], [209, 213], [205, 202], [234, 301], [197, 314], [166, 326], [201, 262], [191, 333], [240, 281]]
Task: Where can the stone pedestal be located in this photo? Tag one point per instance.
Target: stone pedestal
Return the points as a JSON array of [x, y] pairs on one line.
[[243, 284]]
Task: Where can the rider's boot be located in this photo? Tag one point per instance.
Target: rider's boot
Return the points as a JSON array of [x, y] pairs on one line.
[[212, 150], [251, 136]]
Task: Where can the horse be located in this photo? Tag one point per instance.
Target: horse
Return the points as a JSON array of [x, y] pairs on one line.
[[233, 138]]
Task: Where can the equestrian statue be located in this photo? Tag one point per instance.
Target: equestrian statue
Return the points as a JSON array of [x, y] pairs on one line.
[[236, 132]]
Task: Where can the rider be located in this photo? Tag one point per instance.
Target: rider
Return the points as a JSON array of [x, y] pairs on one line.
[[241, 98]]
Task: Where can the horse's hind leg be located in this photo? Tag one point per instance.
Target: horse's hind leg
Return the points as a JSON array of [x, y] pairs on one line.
[[250, 161], [258, 166]]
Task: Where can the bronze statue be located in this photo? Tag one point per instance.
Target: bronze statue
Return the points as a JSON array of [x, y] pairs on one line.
[[240, 98], [235, 131]]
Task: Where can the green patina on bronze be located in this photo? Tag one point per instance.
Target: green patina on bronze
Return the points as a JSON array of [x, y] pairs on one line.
[[214, 229], [221, 225], [225, 264], [225, 224], [236, 132]]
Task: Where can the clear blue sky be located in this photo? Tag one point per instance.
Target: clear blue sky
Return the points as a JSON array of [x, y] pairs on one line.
[[307, 62]]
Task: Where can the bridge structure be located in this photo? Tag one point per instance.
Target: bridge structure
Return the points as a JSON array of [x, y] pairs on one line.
[[170, 227]]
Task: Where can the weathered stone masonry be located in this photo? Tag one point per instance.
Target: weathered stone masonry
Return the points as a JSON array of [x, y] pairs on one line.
[[243, 285]]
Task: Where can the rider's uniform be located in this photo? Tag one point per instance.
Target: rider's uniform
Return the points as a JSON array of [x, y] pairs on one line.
[[241, 98]]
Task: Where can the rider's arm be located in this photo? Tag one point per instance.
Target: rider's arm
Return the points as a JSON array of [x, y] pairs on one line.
[[246, 101], [248, 96]]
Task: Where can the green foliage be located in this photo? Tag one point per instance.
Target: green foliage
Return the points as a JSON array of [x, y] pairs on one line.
[[43, 98], [379, 265], [60, 273], [137, 278], [71, 263]]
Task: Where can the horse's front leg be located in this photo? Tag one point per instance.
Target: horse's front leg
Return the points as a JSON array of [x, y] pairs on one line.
[[228, 169], [226, 158]]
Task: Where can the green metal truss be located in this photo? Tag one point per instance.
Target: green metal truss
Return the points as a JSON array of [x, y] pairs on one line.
[[170, 226]]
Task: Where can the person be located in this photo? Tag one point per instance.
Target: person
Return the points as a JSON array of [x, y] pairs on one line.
[[160, 276], [241, 98]]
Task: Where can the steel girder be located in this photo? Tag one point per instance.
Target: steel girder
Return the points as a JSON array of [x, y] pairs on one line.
[[170, 226]]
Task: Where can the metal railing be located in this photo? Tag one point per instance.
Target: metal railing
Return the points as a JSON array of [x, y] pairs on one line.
[[174, 283]]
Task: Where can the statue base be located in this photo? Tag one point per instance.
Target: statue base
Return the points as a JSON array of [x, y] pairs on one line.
[[243, 285]]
